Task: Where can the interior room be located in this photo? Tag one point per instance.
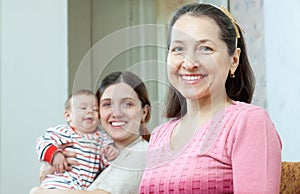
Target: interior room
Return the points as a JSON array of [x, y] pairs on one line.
[[53, 47]]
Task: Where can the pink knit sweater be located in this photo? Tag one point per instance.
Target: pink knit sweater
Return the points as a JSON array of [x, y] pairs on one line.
[[237, 151]]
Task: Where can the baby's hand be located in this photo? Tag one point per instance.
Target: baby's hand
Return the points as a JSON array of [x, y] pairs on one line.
[[110, 152], [59, 162]]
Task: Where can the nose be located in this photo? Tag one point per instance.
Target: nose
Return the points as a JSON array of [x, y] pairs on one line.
[[89, 110], [190, 61], [116, 111]]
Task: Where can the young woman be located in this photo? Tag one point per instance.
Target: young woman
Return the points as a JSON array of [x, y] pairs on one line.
[[124, 110], [215, 142]]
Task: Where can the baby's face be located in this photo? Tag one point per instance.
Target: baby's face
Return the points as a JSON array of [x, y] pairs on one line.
[[83, 114]]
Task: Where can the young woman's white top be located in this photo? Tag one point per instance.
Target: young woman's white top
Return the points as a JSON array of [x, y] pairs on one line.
[[124, 173]]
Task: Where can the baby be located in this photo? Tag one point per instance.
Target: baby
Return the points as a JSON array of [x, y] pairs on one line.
[[93, 147]]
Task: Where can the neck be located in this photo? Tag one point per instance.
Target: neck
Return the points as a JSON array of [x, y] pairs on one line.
[[121, 144], [207, 107]]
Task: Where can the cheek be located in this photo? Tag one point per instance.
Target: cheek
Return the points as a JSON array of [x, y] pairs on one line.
[[75, 116], [103, 116], [174, 60], [222, 72], [135, 119], [172, 67]]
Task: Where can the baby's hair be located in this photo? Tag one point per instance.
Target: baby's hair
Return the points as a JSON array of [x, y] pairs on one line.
[[77, 93]]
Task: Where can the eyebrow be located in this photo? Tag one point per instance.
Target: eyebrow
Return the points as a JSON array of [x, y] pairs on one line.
[[122, 99], [206, 40], [199, 41]]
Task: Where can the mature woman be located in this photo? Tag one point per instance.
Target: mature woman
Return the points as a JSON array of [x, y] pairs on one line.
[[216, 141], [124, 111]]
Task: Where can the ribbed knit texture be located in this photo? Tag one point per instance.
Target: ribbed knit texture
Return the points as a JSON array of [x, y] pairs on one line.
[[124, 174], [238, 151], [87, 149]]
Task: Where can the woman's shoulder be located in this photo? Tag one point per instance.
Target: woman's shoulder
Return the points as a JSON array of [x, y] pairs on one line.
[[168, 124], [242, 108], [163, 131], [139, 144], [241, 112], [132, 156]]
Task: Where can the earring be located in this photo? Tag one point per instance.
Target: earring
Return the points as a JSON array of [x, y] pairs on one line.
[[231, 74]]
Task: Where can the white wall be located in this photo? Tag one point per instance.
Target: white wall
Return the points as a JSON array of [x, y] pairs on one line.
[[282, 45], [33, 84]]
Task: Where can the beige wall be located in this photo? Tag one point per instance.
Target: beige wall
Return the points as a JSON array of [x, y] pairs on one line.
[[121, 35]]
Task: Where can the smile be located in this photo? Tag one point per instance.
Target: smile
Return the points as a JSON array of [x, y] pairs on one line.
[[118, 124], [193, 77]]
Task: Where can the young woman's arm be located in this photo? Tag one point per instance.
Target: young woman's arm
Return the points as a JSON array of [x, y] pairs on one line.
[[39, 190]]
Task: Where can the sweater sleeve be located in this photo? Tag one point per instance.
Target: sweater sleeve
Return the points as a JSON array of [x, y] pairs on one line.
[[256, 155], [48, 144]]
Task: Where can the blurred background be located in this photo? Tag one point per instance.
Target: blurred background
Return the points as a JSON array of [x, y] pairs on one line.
[[50, 48]]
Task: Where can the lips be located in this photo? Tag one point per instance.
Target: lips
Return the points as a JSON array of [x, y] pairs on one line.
[[89, 119]]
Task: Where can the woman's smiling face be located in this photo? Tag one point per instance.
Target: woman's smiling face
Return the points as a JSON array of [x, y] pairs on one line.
[[121, 113], [198, 61]]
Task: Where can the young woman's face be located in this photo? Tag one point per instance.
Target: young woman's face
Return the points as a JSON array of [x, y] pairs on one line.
[[83, 114], [121, 113], [198, 61]]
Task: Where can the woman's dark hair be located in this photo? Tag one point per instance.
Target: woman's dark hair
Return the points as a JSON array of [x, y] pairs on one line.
[[240, 88], [136, 84]]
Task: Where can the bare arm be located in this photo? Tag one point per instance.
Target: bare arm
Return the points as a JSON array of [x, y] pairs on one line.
[[39, 190]]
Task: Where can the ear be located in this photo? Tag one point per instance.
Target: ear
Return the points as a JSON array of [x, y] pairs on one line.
[[146, 110], [235, 60], [67, 115]]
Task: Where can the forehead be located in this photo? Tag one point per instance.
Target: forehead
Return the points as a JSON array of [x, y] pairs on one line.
[[84, 98], [119, 91], [195, 27]]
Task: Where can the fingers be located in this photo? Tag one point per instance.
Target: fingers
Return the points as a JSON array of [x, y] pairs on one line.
[[69, 159], [111, 155], [60, 167], [110, 152], [59, 162], [68, 154], [68, 168], [72, 162], [63, 146]]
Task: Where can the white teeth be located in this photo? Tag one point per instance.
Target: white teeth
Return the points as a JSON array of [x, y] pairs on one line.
[[115, 124], [192, 78]]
